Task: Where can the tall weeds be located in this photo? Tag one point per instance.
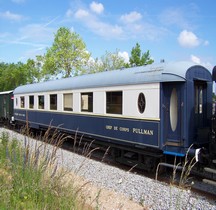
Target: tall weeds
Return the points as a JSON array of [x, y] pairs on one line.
[[182, 180], [187, 166], [30, 177]]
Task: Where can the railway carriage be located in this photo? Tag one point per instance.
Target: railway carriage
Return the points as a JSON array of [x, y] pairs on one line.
[[6, 106], [143, 112]]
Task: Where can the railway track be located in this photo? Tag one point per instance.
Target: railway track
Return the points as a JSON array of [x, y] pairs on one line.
[[197, 182], [91, 150]]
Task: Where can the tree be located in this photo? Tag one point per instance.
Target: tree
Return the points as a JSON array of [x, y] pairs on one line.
[[67, 56], [109, 61], [13, 75], [34, 67], [139, 59]]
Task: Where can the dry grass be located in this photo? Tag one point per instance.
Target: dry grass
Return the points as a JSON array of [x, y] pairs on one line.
[[30, 177], [34, 179]]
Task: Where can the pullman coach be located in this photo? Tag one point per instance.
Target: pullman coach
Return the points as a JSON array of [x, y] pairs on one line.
[[145, 113]]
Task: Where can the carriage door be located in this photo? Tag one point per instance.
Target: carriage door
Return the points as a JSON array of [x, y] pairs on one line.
[[172, 113]]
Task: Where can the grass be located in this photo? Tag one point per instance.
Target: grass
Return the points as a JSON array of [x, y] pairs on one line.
[[181, 180], [187, 166], [30, 177]]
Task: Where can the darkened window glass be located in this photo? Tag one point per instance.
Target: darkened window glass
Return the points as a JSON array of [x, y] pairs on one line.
[[87, 102], [199, 99], [53, 102], [22, 101], [114, 102], [141, 103], [41, 102], [68, 102], [31, 102]]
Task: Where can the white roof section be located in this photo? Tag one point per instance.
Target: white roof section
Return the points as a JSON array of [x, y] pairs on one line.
[[161, 72], [6, 92]]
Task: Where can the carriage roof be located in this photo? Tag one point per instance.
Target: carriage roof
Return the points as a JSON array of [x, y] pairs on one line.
[[154, 73], [6, 92]]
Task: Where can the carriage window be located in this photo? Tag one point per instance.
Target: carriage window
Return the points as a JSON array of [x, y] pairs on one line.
[[114, 102], [41, 102], [22, 101], [174, 109], [31, 102], [53, 102], [68, 102], [141, 103], [16, 101], [87, 102], [198, 99]]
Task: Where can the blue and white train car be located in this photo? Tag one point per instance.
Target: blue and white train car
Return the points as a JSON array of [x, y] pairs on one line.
[[160, 108]]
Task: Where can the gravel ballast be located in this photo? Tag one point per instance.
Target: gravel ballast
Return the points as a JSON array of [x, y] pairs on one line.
[[148, 192]]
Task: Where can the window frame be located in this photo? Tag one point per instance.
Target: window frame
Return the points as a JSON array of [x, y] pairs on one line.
[[31, 105], [68, 108], [89, 103], [22, 102], [41, 104], [113, 104], [53, 105]]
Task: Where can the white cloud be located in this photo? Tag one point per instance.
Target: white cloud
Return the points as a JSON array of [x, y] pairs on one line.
[[200, 61], [206, 43], [131, 17], [36, 33], [33, 39], [50, 22], [11, 16], [174, 16], [124, 55], [81, 13], [195, 59], [188, 39], [97, 7], [4, 35], [35, 51], [130, 26], [97, 26], [104, 29], [69, 13]]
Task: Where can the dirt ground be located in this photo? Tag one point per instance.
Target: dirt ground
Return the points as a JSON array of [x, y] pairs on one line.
[[103, 199]]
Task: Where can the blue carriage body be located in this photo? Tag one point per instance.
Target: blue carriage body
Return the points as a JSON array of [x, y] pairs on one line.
[[174, 113]]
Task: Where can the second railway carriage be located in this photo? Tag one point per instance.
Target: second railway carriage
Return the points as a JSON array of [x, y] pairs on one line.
[[154, 110], [6, 106]]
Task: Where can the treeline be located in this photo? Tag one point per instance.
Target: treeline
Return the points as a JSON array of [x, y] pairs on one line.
[[68, 56]]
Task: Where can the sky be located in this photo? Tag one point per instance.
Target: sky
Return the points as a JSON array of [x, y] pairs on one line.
[[172, 30]]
